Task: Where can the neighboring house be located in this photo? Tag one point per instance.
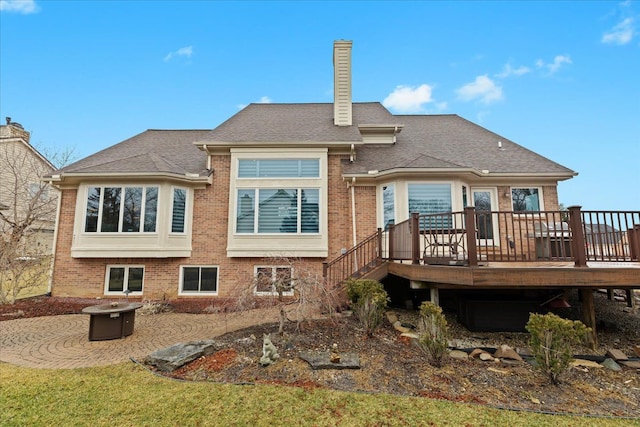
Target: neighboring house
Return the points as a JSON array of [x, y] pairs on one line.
[[27, 203], [193, 213]]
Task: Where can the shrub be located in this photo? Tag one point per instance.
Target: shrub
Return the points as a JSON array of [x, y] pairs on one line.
[[433, 332], [551, 340], [369, 300]]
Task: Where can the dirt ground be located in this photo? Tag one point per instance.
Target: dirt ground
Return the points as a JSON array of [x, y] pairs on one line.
[[394, 365]]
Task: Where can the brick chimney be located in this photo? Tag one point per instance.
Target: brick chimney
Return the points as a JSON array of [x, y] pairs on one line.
[[14, 130], [342, 109]]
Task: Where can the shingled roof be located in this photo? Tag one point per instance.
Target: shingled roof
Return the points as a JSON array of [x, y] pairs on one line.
[[152, 151], [296, 123], [449, 141], [425, 142]]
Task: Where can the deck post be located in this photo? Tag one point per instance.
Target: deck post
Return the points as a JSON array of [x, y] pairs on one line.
[[325, 269], [434, 296], [379, 244], [470, 226], [633, 238], [390, 237], [415, 238], [630, 298], [589, 315], [577, 236]]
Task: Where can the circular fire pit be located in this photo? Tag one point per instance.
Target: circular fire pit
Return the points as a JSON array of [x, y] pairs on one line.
[[112, 320]]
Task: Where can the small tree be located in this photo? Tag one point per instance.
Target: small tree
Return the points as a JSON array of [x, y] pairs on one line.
[[551, 341], [369, 300], [27, 216], [433, 337], [287, 284]]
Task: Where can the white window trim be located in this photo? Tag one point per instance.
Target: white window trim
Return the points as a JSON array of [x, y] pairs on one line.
[[126, 282], [381, 203], [121, 212], [186, 223], [280, 244], [256, 210], [273, 273], [198, 293]]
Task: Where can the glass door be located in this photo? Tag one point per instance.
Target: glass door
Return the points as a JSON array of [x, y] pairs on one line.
[[484, 200]]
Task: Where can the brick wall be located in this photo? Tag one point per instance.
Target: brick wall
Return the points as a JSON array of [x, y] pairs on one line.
[[82, 277]]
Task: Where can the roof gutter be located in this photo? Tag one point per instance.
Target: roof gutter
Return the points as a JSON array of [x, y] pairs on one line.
[[374, 175], [70, 179]]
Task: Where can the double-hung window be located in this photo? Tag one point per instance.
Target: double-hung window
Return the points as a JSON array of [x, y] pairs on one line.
[[121, 209], [124, 279], [266, 206]]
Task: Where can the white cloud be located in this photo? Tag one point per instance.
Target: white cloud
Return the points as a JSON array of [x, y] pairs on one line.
[[558, 62], [483, 89], [186, 51], [621, 33], [407, 99], [508, 71], [19, 6], [262, 100]]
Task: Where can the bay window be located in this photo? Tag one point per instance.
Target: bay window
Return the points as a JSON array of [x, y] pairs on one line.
[[388, 205], [178, 210], [430, 199], [121, 209]]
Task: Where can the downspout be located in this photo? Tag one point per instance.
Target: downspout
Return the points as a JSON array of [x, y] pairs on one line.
[[353, 210], [353, 220], [206, 150], [55, 240]]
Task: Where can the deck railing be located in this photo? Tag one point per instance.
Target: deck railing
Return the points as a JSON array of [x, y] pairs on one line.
[[363, 257], [471, 237]]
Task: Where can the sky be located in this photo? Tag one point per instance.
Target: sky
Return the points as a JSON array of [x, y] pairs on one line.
[[559, 78]]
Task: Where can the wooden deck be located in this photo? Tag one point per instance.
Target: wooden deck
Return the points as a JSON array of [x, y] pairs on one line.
[[522, 275]]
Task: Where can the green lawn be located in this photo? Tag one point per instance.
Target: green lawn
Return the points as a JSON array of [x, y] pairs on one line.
[[128, 395]]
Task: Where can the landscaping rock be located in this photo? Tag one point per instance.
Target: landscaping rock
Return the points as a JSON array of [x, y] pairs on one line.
[[171, 358], [636, 349], [322, 360], [458, 354], [398, 327], [585, 363], [611, 364], [409, 338], [486, 357], [506, 352], [635, 364], [392, 317], [616, 354], [477, 352]]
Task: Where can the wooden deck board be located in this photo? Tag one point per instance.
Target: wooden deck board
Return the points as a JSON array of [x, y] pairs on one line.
[[518, 275]]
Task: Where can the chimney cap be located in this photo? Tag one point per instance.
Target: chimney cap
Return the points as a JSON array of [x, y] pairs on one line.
[[16, 124]]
